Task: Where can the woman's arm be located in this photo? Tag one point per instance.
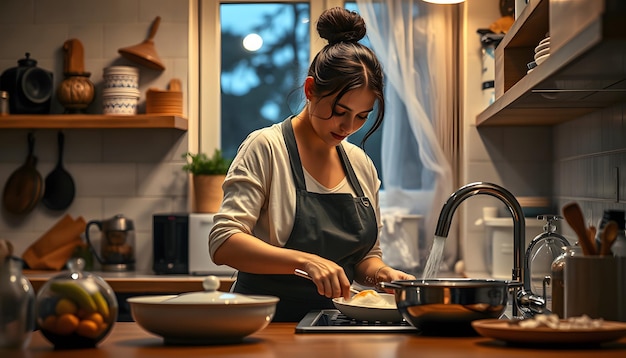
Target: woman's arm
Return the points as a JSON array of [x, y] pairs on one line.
[[250, 254], [373, 270]]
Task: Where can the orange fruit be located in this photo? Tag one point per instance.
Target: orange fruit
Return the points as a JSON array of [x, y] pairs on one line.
[[88, 328], [66, 324], [96, 317], [49, 323]]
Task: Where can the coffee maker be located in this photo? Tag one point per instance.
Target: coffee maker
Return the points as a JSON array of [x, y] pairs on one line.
[[117, 243]]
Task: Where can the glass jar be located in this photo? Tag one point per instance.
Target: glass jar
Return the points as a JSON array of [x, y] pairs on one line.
[[558, 279], [17, 305], [76, 309], [542, 251], [4, 103]]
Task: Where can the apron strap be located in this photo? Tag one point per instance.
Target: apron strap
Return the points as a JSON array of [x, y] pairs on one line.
[[292, 149], [347, 167], [296, 164]]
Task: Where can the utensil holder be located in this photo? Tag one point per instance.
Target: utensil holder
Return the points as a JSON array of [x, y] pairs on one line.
[[592, 286]]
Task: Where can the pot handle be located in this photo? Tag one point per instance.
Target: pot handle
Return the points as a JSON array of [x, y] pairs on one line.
[[388, 285], [91, 247]]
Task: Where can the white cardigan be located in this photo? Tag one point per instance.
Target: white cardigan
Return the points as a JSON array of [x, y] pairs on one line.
[[260, 194]]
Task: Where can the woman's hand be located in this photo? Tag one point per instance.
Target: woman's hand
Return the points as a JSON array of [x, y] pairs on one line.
[[388, 274], [330, 278], [396, 275]]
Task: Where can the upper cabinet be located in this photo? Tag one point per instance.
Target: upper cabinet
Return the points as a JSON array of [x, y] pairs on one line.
[[93, 121], [586, 69]]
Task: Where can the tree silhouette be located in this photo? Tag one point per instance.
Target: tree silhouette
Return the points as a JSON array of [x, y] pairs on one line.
[[278, 67]]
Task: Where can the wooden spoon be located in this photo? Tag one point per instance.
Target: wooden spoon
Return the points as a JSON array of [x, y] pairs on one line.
[[575, 218], [608, 236]]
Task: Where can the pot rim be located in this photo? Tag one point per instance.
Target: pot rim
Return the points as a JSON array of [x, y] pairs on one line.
[[450, 282]]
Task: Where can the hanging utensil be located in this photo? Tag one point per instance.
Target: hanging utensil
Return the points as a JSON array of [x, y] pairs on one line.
[[145, 53], [22, 190], [575, 218], [59, 186]]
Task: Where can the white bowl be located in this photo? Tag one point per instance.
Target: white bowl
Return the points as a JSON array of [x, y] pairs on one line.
[[543, 46], [202, 318], [545, 51], [547, 39], [541, 59], [387, 313]]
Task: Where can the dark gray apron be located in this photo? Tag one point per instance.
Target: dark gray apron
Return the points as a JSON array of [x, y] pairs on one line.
[[338, 227]]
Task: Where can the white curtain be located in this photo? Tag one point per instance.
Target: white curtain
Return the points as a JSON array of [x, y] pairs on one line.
[[415, 42]]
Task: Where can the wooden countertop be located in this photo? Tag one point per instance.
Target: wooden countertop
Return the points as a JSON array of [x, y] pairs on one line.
[[127, 339], [134, 282]]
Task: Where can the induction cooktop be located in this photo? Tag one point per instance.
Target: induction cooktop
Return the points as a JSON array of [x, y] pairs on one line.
[[333, 321]]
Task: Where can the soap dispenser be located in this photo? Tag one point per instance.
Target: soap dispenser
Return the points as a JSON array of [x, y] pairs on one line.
[[541, 252]]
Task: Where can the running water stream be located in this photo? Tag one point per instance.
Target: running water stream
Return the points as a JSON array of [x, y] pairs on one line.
[[435, 258]]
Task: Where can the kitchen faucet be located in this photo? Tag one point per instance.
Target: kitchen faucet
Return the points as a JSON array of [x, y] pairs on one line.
[[525, 301]]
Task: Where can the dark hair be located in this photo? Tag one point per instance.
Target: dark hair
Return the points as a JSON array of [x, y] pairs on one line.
[[344, 64]]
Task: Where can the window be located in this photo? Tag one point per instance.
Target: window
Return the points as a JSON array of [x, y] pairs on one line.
[[259, 85], [262, 86]]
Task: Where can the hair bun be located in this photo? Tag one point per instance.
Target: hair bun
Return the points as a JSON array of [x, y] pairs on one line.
[[341, 25]]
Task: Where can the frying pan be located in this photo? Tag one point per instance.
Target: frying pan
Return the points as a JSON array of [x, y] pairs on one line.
[[59, 189], [22, 190]]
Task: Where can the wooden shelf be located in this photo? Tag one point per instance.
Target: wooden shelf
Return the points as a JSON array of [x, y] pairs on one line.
[[583, 74], [92, 121]]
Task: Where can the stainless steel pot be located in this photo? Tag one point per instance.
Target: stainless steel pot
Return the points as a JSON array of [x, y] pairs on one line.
[[447, 306]]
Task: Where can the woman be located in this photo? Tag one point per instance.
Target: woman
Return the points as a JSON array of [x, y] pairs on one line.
[[298, 196]]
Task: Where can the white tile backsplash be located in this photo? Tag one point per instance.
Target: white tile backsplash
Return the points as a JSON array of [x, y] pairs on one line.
[[154, 180], [84, 12], [136, 172]]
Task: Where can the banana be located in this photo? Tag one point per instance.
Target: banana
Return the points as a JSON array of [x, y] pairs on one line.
[[75, 292], [102, 304]]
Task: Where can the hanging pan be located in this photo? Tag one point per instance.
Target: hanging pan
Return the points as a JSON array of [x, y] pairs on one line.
[[144, 53], [22, 190], [59, 185]]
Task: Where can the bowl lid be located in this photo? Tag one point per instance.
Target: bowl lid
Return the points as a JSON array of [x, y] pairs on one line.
[[211, 295]]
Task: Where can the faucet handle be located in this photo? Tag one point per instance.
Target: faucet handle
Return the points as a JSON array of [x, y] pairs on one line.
[[551, 221]]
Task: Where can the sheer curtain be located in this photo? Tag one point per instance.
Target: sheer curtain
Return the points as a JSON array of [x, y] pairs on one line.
[[416, 43]]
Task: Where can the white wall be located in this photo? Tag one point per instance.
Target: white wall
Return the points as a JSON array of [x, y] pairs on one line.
[[517, 158], [135, 172]]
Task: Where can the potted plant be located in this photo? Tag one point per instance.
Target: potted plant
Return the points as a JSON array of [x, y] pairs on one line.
[[208, 174]]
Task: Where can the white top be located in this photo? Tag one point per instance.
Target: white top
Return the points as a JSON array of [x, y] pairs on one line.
[[260, 194]]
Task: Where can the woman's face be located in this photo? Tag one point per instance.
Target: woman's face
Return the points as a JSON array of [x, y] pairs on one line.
[[333, 125]]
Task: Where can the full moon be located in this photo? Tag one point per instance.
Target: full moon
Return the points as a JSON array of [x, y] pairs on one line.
[[252, 42]]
